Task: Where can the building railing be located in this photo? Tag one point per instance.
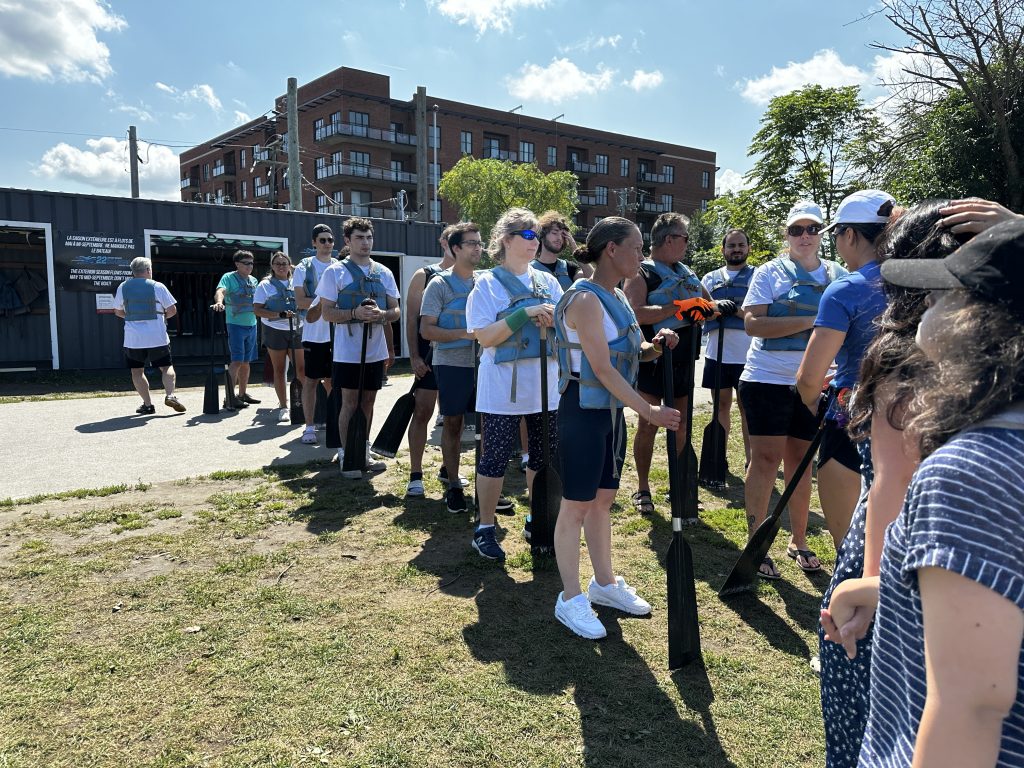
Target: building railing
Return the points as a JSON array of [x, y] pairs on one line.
[[260, 154], [189, 182], [363, 131], [260, 191], [493, 153], [223, 170], [653, 178], [647, 206], [592, 200], [354, 209], [365, 172], [578, 166]]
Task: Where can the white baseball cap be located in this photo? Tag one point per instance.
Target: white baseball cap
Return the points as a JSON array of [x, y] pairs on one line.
[[805, 209], [868, 206]]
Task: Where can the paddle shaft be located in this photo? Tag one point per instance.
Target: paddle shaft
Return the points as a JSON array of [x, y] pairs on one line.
[[717, 393]]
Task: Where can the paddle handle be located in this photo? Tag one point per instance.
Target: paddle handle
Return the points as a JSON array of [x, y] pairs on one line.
[[544, 393], [675, 487]]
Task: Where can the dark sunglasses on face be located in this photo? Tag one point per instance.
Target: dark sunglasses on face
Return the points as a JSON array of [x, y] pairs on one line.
[[797, 230], [325, 239], [526, 234], [684, 237], [282, 264]]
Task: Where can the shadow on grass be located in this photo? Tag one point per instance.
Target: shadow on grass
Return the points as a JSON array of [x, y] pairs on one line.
[[334, 501]]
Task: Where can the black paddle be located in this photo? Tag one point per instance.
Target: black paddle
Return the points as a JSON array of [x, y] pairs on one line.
[[356, 435], [333, 436], [389, 439], [689, 457], [744, 572], [713, 464], [230, 400], [547, 485], [478, 425], [683, 629], [211, 397], [295, 388]]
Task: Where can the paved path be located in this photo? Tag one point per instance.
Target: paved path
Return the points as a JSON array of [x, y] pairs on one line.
[[62, 445]]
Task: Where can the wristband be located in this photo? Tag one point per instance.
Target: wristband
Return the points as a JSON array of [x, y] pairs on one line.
[[517, 320]]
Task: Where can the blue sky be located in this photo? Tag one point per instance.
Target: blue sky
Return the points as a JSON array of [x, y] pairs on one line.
[[75, 73]]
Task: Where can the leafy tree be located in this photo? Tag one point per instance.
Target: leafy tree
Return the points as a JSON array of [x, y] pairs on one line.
[[482, 190]]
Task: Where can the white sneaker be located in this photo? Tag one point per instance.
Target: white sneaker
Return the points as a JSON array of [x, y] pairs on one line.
[[414, 488], [618, 595], [463, 482], [578, 616], [372, 465], [309, 436], [283, 415]]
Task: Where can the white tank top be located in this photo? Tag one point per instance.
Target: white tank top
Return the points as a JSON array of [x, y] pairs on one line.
[[610, 334]]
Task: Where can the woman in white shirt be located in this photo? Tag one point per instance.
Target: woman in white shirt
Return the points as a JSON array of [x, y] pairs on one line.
[[274, 304]]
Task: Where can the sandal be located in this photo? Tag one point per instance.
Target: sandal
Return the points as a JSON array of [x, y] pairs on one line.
[[643, 503], [795, 554], [773, 572]]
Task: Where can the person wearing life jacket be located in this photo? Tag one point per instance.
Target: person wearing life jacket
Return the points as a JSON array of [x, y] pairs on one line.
[[274, 303], [779, 311], [728, 285], [316, 334], [600, 347], [555, 242], [505, 309], [145, 305], [662, 280], [234, 295], [342, 289], [443, 323]]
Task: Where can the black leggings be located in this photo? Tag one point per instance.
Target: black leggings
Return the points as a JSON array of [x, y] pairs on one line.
[[500, 432]]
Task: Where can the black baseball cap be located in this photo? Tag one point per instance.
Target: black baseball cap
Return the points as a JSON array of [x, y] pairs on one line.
[[990, 265]]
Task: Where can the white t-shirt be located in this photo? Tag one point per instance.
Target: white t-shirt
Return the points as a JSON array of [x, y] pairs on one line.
[[320, 331], [771, 281], [571, 335], [265, 290], [347, 346], [737, 343], [494, 381], [146, 334]]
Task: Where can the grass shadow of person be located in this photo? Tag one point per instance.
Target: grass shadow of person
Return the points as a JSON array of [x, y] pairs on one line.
[[333, 501]]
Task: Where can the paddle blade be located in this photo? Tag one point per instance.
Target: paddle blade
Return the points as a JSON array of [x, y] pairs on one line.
[[683, 627], [545, 500], [229, 391], [389, 439], [320, 408], [211, 396], [713, 468], [333, 438], [295, 394], [744, 573], [355, 443]]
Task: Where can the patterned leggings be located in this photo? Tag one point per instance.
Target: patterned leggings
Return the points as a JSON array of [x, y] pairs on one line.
[[500, 432]]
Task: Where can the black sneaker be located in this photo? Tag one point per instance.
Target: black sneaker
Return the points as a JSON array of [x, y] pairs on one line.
[[455, 499], [145, 410], [248, 399], [505, 506]]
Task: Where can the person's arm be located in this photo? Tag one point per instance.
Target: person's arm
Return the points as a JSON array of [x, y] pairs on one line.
[[587, 317], [302, 301], [218, 299], [821, 350], [431, 331], [313, 313], [635, 289], [393, 313], [850, 612], [974, 215], [586, 270], [170, 311], [757, 323], [389, 339], [413, 305], [972, 642]]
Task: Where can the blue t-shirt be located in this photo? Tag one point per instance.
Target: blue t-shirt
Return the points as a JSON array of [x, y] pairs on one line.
[[851, 304], [965, 513]]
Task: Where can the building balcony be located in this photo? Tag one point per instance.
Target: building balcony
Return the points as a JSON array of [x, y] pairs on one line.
[[192, 182], [651, 207], [493, 153], [260, 155], [365, 172], [354, 209], [261, 191], [578, 166], [590, 201], [653, 178], [224, 172], [336, 133]]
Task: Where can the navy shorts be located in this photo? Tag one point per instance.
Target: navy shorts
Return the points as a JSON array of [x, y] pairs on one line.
[[242, 343], [319, 361], [158, 357], [346, 376], [836, 444], [776, 410], [730, 374], [590, 460], [456, 394]]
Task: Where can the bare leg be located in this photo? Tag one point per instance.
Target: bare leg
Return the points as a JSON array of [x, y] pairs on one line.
[[240, 375], [838, 489], [597, 526], [766, 454], [800, 501], [488, 489], [643, 446], [277, 358], [141, 384], [426, 399], [743, 423], [571, 515], [451, 444]]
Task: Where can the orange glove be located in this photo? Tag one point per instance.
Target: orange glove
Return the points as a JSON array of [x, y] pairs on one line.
[[695, 310]]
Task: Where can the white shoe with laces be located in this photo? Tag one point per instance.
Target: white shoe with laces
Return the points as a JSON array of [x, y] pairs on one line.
[[578, 616], [283, 415], [309, 436], [618, 595]]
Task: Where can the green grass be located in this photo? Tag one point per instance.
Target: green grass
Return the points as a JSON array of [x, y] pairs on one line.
[[289, 618], [81, 493]]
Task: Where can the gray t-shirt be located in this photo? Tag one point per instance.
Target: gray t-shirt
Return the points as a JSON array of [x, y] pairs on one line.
[[437, 296]]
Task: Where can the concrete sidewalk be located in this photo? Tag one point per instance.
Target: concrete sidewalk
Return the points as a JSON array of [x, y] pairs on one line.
[[62, 445]]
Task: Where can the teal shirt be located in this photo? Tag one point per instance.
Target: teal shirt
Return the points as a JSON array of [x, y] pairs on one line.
[[235, 285]]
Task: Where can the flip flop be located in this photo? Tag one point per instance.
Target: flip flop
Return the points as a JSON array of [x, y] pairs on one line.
[[794, 553], [773, 575]]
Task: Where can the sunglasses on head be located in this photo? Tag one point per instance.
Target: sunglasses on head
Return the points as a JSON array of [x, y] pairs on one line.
[[797, 230], [526, 234], [325, 239]]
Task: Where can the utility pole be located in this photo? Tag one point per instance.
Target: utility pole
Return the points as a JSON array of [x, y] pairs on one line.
[[133, 159], [436, 213], [294, 170]]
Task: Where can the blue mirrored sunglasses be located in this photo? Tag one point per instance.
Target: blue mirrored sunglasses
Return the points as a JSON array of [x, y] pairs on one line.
[[526, 234]]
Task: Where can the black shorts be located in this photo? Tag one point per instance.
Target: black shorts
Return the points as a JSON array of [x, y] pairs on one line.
[[319, 361], [456, 394], [589, 459], [776, 410], [649, 380], [836, 444], [346, 376], [158, 357], [730, 374]]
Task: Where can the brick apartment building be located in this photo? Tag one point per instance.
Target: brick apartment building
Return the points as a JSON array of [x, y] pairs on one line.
[[360, 149]]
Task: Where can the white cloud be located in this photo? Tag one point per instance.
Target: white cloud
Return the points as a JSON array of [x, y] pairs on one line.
[[593, 43], [730, 181], [824, 68], [165, 88], [56, 39], [484, 14], [138, 113], [103, 164], [241, 117], [205, 94], [558, 81], [644, 81], [720, 70], [183, 116]]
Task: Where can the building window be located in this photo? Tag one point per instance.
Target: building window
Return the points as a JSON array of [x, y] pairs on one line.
[[491, 147], [321, 203], [601, 194], [466, 142], [435, 210], [435, 173], [602, 163], [705, 179], [206, 172], [360, 162], [666, 203], [669, 172], [359, 122], [624, 167], [245, 190], [360, 203], [527, 152], [241, 158], [395, 127], [552, 156], [434, 133], [336, 118], [398, 171], [703, 205]]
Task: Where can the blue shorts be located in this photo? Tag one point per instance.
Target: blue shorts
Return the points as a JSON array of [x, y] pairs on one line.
[[455, 391], [242, 343], [590, 460]]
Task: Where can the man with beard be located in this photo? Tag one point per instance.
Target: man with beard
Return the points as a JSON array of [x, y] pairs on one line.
[[555, 239]]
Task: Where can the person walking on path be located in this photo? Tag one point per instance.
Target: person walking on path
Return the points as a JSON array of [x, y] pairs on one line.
[[274, 304], [145, 305], [234, 295]]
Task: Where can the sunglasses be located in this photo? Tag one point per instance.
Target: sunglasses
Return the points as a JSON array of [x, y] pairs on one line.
[[684, 237], [282, 263], [246, 263], [325, 239], [526, 234], [797, 230]]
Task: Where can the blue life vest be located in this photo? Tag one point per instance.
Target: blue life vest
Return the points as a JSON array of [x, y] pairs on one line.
[[453, 314], [560, 271], [238, 294], [677, 282], [725, 285], [283, 301], [524, 343], [310, 279], [361, 287], [139, 294], [800, 301]]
